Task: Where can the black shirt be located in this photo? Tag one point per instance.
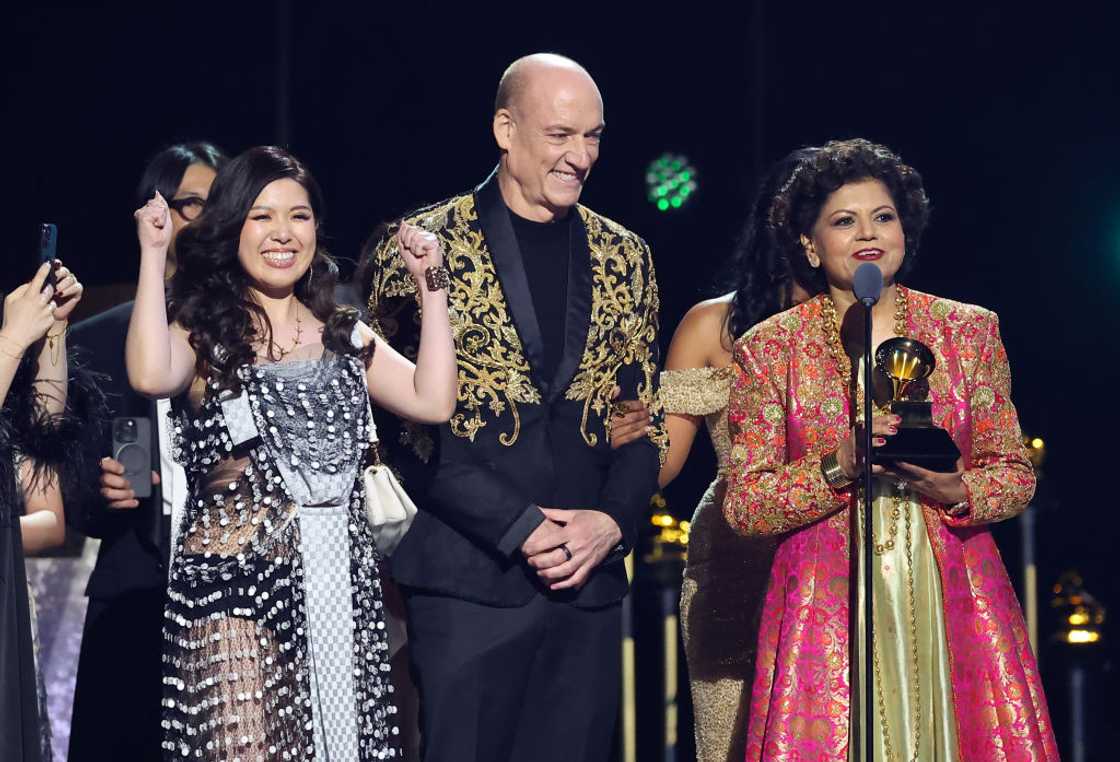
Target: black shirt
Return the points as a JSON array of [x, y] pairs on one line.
[[545, 251]]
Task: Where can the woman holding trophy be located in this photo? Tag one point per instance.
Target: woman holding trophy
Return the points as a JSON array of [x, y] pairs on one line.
[[954, 675]]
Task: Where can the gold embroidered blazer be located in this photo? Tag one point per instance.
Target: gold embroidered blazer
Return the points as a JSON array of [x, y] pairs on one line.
[[518, 440]]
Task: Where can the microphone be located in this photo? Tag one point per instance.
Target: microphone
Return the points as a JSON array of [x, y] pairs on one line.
[[868, 283]]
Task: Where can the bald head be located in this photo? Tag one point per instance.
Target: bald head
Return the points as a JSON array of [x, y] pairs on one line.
[[532, 72], [548, 120]]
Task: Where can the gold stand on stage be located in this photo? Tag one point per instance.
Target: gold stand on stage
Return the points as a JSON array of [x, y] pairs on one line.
[[1036, 451], [666, 555], [629, 740]]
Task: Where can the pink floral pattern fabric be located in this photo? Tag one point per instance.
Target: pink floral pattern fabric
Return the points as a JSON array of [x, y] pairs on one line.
[[788, 408]]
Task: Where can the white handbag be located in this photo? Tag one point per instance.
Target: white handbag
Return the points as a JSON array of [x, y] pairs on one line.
[[389, 509]]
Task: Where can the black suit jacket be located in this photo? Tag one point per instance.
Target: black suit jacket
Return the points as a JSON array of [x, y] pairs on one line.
[[133, 553], [517, 439]]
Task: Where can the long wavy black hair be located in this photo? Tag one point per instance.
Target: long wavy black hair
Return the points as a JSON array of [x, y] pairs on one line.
[[759, 273], [798, 203], [209, 293]]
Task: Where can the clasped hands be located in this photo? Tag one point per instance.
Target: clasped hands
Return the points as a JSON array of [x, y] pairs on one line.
[[945, 488], [588, 535]]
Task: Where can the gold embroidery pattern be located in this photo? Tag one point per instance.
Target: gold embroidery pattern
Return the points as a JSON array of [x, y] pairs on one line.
[[623, 330], [696, 391], [702, 391], [493, 371]]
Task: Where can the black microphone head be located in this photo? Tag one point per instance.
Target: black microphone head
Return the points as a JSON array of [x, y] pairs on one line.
[[868, 283]]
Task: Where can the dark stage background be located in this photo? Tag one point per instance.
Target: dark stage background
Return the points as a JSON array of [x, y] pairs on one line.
[[1011, 117]]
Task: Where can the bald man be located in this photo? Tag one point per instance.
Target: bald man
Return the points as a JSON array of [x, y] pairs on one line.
[[513, 569]]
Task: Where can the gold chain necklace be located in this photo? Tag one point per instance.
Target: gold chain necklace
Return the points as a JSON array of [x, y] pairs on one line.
[[832, 330], [844, 367], [914, 662]]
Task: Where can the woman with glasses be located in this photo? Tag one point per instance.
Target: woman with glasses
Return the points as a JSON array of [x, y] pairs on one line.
[[182, 174], [116, 711]]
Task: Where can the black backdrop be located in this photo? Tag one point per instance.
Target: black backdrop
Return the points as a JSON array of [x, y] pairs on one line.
[[1010, 116]]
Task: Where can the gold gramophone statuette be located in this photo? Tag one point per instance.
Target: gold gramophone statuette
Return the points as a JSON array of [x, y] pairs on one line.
[[905, 361]]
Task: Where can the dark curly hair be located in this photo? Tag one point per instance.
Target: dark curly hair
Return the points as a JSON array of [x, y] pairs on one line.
[[759, 273], [798, 203], [209, 292]]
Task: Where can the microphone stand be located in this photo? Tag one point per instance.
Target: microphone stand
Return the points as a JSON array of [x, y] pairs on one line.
[[868, 548]]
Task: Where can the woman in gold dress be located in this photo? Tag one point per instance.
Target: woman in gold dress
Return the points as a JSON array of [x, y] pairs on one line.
[[725, 574]]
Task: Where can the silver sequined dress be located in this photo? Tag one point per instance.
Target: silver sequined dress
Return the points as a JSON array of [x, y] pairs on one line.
[[275, 643]]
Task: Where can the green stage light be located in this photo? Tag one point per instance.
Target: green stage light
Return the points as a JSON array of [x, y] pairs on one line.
[[670, 182]]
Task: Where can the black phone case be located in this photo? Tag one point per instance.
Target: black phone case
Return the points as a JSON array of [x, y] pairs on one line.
[[136, 456], [48, 249]]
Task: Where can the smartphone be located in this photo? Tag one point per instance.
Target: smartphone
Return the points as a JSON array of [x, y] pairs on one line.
[[48, 250], [132, 448]]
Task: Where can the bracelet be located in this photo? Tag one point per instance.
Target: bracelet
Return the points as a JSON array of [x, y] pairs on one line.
[[56, 349], [437, 278], [18, 356], [832, 472], [958, 510]]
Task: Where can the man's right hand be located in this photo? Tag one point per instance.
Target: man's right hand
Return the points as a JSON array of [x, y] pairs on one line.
[[116, 489]]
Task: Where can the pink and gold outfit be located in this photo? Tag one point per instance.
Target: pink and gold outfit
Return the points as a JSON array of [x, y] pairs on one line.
[[963, 642]]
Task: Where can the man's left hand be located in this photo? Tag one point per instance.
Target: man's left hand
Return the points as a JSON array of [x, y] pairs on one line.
[[589, 537]]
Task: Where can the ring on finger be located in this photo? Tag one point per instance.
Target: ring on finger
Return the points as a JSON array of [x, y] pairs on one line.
[[567, 553]]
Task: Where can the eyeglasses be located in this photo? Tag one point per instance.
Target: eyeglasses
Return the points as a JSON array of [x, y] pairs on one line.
[[188, 207]]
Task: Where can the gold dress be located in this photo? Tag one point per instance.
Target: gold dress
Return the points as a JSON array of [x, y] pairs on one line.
[[913, 702], [724, 582], [913, 693]]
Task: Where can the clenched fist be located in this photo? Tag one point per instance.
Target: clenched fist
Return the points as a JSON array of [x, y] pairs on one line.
[[153, 224], [419, 249]]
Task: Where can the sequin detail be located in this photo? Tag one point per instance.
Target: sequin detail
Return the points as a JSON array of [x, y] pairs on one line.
[[237, 672], [701, 391], [724, 579]]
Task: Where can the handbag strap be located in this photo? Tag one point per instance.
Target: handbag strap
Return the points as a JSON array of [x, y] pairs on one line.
[[373, 458], [373, 440]]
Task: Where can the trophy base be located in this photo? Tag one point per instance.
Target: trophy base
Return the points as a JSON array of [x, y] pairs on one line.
[[928, 446]]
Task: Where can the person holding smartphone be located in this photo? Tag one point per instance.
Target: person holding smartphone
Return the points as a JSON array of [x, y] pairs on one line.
[[116, 711], [40, 424]]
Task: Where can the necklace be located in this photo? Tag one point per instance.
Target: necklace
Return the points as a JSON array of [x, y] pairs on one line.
[[914, 663], [832, 330], [277, 352], [843, 366]]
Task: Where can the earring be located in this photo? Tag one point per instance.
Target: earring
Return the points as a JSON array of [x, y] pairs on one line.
[[810, 254]]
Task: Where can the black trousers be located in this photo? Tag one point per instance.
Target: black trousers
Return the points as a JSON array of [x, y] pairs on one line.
[[534, 683], [119, 688]]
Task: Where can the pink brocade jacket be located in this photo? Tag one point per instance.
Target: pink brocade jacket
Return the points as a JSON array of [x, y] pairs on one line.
[[788, 408]]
